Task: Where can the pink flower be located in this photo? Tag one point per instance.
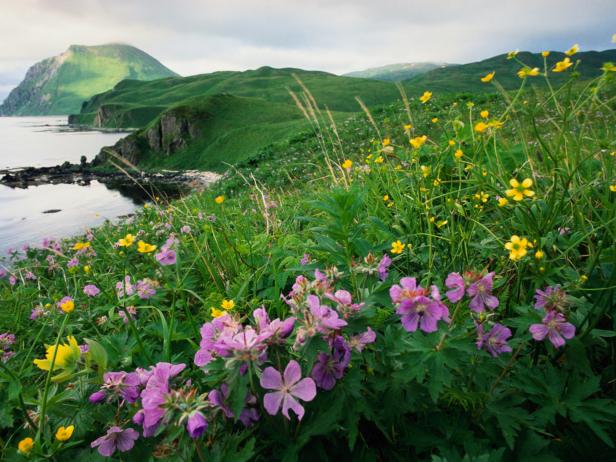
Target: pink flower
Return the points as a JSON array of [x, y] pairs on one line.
[[325, 319], [555, 327], [455, 282], [116, 438], [481, 293], [91, 290], [359, 342], [288, 388], [166, 257]]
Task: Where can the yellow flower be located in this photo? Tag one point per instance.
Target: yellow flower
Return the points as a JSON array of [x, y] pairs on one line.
[[484, 114], [425, 170], [216, 313], [25, 445], [434, 120], [528, 72], [66, 355], [517, 247], [407, 128], [418, 141], [144, 247], [386, 142], [482, 197], [545, 53], [65, 433], [386, 197], [495, 124], [502, 201], [379, 160], [68, 306], [437, 182], [81, 245], [539, 255], [347, 164], [481, 127], [613, 187], [451, 143], [219, 199], [512, 54], [86, 269], [488, 77], [562, 65], [441, 223], [458, 154], [583, 278], [573, 50], [227, 304], [608, 67], [126, 241], [425, 97], [397, 247], [520, 189]]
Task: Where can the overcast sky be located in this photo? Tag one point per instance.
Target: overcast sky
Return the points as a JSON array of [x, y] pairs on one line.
[[197, 36]]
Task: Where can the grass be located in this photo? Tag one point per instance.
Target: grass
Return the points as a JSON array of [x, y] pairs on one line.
[[292, 209]]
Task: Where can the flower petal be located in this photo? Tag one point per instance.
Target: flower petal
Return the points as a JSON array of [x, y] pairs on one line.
[[305, 389], [271, 379], [290, 403], [292, 373], [272, 401]]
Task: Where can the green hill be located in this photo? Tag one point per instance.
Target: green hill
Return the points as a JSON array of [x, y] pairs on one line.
[[396, 72], [466, 77], [59, 85]]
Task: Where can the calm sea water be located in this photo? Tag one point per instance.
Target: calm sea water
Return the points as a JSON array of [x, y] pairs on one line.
[[47, 141]]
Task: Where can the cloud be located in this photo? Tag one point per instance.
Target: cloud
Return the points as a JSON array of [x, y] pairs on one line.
[[334, 35]]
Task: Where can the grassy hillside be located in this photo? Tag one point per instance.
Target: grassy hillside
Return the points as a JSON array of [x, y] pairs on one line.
[[466, 77], [396, 72], [61, 84]]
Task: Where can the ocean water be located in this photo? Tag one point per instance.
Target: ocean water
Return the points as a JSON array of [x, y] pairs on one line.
[[48, 141]]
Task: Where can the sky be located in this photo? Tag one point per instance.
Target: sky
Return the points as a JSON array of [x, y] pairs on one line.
[[198, 36]]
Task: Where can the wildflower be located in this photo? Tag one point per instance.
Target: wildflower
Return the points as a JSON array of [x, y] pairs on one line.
[[539, 255], [434, 120], [25, 446], [66, 355], [386, 142], [418, 141], [562, 65], [613, 187], [359, 342], [488, 77], [288, 388], [383, 268], [481, 127], [330, 367], [126, 241], [72, 263], [379, 160], [305, 259], [482, 197], [347, 164], [545, 53], [185, 229], [115, 438], [196, 424], [407, 128], [484, 114], [425, 97], [219, 199], [520, 189], [397, 247], [458, 154], [65, 433], [144, 247], [36, 313], [344, 301], [455, 282], [573, 50], [91, 290], [517, 247], [324, 318], [81, 245], [512, 54], [156, 393], [555, 327], [166, 257], [86, 269], [451, 143], [552, 298], [227, 304], [274, 330], [502, 201], [216, 313], [495, 341], [528, 72], [66, 304], [145, 288], [414, 306], [481, 293]]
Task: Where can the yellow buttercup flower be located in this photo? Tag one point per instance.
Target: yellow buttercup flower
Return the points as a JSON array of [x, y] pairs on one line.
[[613, 187], [386, 197], [144, 247], [386, 142], [520, 190], [539, 255], [407, 128], [512, 54], [484, 114], [219, 199], [451, 143], [227, 304], [347, 164], [425, 97], [608, 67], [25, 446], [216, 313], [81, 245], [517, 247], [67, 355], [379, 160], [481, 127], [434, 120], [482, 197], [545, 53], [458, 154], [562, 65], [418, 141], [502, 201], [573, 50], [65, 433], [488, 77], [126, 241], [528, 72], [397, 247], [86, 269], [425, 170], [68, 306]]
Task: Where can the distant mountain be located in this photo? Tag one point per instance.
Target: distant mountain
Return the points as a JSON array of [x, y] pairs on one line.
[[396, 72], [466, 77], [59, 85]]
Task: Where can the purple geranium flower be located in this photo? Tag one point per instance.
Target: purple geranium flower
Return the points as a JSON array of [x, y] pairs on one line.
[[275, 330], [196, 424], [325, 319], [421, 312], [455, 282], [331, 367], [116, 438], [495, 341], [383, 268], [287, 389], [555, 327], [359, 342], [91, 290], [145, 289], [407, 290], [344, 301], [481, 293], [154, 396], [551, 298], [166, 257]]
